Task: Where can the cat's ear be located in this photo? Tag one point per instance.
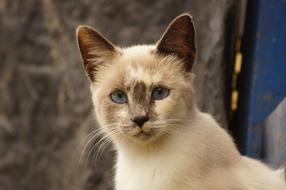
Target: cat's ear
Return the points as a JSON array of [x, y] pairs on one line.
[[179, 40], [95, 49]]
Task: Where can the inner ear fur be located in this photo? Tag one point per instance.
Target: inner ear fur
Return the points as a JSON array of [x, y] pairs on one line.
[[179, 40], [94, 48]]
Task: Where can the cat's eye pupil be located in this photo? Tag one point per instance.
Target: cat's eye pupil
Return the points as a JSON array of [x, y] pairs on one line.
[[118, 97], [160, 93]]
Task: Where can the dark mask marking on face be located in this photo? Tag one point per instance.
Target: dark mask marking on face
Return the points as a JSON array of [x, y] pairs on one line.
[[141, 105]]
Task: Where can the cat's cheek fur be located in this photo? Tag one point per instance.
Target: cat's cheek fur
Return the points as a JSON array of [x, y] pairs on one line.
[[169, 109], [100, 107]]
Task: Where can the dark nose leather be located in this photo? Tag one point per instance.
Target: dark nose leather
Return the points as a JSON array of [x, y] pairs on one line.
[[140, 120]]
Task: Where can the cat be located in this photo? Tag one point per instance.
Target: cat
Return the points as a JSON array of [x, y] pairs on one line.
[[144, 101]]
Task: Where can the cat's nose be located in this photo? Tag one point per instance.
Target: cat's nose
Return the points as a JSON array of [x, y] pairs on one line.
[[140, 120]]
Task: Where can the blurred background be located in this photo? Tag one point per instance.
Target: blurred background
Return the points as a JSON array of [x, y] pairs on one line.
[[45, 105]]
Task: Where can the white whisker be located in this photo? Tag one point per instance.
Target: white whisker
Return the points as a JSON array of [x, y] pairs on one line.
[[104, 139]]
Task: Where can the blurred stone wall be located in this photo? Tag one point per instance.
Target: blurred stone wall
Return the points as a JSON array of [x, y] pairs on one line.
[[45, 104]]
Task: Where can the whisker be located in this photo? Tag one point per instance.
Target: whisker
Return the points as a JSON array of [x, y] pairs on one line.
[[102, 143], [91, 137]]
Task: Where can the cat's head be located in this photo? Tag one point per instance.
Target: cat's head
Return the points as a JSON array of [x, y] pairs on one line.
[[141, 93]]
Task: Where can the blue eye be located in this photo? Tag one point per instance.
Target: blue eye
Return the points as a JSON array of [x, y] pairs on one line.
[[118, 97], [160, 93]]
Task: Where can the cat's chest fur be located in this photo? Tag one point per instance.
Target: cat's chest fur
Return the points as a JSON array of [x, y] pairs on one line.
[[160, 172], [142, 177]]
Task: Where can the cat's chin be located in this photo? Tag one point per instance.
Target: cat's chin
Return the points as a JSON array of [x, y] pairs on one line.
[[143, 136]]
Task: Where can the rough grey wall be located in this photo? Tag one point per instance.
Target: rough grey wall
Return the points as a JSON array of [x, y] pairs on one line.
[[45, 106]]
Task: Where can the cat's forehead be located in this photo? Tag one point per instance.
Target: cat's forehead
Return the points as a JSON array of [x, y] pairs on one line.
[[141, 64]]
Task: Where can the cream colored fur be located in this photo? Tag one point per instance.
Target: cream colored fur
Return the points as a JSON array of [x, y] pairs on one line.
[[198, 156], [179, 147]]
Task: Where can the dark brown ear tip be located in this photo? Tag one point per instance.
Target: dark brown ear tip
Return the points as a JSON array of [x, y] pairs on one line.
[[184, 20], [80, 28], [186, 16], [83, 30]]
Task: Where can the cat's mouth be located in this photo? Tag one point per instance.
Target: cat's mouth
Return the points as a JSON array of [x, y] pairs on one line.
[[144, 136], [143, 133]]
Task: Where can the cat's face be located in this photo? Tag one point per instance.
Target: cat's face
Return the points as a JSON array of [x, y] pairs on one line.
[[141, 93]]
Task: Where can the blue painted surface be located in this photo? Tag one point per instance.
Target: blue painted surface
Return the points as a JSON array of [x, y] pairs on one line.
[[262, 84]]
